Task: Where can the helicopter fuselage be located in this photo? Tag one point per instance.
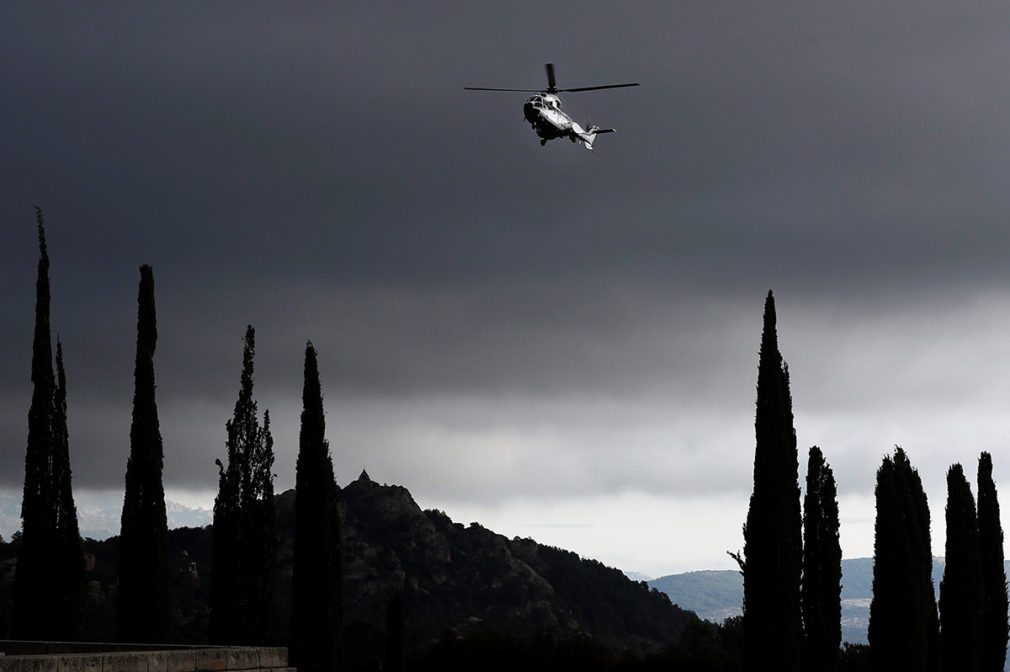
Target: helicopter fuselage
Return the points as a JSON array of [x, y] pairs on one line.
[[545, 115], [543, 112]]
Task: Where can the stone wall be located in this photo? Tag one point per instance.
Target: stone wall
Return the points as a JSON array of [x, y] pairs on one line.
[[77, 657]]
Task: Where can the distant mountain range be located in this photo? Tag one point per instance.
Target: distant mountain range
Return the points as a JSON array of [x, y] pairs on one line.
[[717, 595], [98, 514]]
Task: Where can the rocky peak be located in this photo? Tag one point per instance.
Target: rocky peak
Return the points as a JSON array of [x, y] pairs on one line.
[[451, 574]]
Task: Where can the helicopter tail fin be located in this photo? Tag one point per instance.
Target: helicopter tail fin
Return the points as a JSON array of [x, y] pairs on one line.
[[588, 136]]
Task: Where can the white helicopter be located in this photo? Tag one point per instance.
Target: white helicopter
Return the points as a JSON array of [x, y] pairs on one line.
[[543, 112]]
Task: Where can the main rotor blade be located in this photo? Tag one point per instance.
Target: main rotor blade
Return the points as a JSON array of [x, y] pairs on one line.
[[551, 84], [481, 88], [595, 88]]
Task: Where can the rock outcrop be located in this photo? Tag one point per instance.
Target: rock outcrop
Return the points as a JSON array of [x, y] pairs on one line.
[[454, 577]]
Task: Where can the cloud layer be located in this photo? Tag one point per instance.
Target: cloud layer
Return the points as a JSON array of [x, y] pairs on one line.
[[501, 324]]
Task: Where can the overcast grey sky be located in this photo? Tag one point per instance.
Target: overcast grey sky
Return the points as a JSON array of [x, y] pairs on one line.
[[556, 343]]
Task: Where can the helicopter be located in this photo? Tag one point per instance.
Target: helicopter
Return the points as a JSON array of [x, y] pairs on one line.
[[543, 111]]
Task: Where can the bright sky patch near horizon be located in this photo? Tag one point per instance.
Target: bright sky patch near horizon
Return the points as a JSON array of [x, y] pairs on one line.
[[554, 343]]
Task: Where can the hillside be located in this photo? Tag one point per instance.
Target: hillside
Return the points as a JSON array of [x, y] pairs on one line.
[[457, 581], [714, 595], [456, 576]]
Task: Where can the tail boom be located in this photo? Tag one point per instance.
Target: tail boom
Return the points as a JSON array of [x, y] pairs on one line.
[[587, 136]]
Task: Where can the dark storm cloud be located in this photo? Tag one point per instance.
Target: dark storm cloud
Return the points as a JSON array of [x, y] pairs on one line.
[[318, 171], [349, 131]]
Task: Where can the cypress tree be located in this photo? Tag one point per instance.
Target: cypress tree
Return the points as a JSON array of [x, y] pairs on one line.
[[48, 583], [994, 631], [69, 552], [243, 588], [225, 587], [904, 629], [143, 613], [261, 540], [31, 582], [961, 587], [822, 568], [316, 584], [772, 536]]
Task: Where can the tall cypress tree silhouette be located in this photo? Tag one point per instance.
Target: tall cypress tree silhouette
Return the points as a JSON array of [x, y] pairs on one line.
[[772, 536], [69, 552], [994, 629], [225, 582], [243, 589], [48, 582], [822, 568], [143, 613], [261, 538], [961, 587], [316, 584], [904, 628]]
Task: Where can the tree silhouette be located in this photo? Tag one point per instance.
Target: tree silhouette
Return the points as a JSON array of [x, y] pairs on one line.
[[143, 613], [821, 591], [48, 583], [994, 630], [69, 553], [961, 587], [243, 590], [226, 585], [904, 629], [316, 584], [772, 536]]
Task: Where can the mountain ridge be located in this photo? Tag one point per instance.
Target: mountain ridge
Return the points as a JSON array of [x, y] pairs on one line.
[[457, 582], [451, 573]]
